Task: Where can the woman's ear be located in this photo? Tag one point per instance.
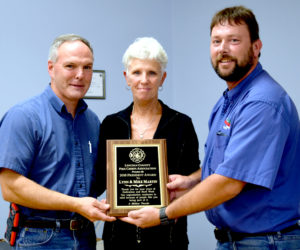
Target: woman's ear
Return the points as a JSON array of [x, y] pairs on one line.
[[163, 78], [125, 75]]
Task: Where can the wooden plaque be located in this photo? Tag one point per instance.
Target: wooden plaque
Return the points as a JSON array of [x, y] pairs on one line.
[[137, 175]]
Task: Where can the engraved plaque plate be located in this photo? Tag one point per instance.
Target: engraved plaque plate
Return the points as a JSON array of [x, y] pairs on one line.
[[137, 175]]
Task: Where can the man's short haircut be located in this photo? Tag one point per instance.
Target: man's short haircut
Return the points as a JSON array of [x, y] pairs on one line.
[[62, 39], [145, 48], [237, 15]]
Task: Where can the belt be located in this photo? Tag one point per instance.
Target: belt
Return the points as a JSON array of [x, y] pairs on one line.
[[225, 235], [69, 224]]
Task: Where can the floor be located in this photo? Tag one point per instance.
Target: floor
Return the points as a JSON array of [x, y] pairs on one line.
[[4, 245], [99, 245]]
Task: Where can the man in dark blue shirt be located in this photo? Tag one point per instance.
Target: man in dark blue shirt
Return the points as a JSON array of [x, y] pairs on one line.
[[47, 154]]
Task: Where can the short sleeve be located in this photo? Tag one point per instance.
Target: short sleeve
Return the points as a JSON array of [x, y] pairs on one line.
[[17, 147], [255, 147]]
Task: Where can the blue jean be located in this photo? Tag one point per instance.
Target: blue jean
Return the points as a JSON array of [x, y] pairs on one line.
[[286, 241], [57, 238]]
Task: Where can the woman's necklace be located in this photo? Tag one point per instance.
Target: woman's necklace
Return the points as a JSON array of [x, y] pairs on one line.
[[142, 133]]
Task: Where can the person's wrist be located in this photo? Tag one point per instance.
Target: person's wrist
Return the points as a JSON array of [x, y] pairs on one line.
[[194, 180], [164, 220]]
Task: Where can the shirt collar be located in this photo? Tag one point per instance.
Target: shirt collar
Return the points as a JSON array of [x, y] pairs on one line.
[[243, 84], [58, 104]]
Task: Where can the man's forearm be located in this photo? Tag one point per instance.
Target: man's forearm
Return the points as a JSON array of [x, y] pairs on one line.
[[21, 190], [210, 193]]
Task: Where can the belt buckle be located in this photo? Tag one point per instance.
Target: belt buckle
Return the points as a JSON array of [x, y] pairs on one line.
[[75, 225]]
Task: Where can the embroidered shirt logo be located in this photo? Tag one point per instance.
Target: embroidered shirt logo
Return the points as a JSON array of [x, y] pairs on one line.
[[227, 123]]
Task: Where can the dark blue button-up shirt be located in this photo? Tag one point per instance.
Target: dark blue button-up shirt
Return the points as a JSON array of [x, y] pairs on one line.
[[41, 140]]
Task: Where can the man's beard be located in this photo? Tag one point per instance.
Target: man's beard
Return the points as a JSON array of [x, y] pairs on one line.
[[239, 70]]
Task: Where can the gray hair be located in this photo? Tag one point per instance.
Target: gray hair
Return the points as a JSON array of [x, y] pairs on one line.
[[145, 48], [62, 39]]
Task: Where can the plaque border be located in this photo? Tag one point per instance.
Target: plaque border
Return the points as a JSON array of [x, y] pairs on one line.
[[111, 185]]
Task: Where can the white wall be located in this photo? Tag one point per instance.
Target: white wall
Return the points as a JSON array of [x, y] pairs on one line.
[[28, 28]]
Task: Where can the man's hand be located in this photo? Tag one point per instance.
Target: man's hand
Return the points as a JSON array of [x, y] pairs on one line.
[[179, 185], [23, 191], [145, 217], [93, 209]]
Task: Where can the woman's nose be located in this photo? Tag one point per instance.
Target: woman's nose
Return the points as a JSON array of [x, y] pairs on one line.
[[144, 78]]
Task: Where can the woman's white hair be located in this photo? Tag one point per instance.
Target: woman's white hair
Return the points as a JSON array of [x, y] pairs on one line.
[[145, 48]]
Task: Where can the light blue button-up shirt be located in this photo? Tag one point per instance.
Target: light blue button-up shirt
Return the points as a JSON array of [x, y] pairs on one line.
[[255, 137]]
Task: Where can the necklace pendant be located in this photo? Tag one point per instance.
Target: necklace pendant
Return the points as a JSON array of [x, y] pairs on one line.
[[141, 136]]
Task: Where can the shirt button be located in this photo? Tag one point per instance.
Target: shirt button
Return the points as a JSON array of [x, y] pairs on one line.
[[76, 143], [78, 164]]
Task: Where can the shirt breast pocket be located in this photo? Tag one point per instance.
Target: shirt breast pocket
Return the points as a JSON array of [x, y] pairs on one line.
[[220, 146]]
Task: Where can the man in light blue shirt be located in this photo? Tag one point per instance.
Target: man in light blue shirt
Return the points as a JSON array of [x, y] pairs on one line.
[[47, 154], [250, 184]]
